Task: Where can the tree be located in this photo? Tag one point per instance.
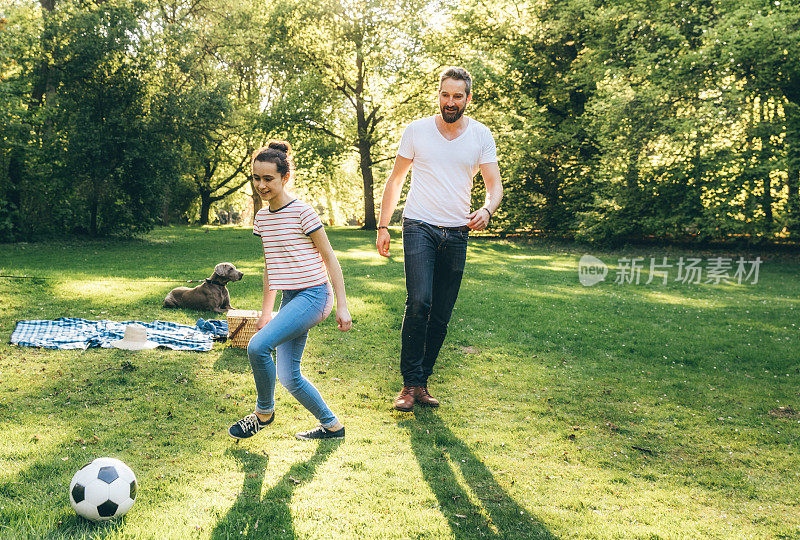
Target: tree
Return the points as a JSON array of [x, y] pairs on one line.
[[89, 146], [651, 123], [534, 89], [758, 44], [215, 86], [349, 71], [618, 121], [218, 145]]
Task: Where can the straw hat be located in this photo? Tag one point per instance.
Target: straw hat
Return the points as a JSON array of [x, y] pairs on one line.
[[135, 339]]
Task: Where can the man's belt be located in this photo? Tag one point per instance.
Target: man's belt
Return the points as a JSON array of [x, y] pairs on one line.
[[462, 228]]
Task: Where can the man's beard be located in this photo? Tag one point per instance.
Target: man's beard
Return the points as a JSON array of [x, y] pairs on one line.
[[452, 116]]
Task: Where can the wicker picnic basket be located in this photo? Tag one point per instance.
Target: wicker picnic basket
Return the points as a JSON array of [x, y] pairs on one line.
[[241, 326]]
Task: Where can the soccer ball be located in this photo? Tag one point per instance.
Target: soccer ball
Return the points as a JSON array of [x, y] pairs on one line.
[[103, 489]]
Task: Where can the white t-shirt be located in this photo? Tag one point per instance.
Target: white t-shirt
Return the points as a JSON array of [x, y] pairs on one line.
[[442, 170]]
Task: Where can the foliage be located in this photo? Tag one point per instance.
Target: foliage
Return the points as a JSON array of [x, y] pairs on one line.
[[616, 120], [213, 85], [618, 124], [85, 154]]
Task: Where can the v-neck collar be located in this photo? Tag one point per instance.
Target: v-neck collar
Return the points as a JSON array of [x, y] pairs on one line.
[[439, 131]]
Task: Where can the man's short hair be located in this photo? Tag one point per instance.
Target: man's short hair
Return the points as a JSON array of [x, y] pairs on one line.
[[459, 74]]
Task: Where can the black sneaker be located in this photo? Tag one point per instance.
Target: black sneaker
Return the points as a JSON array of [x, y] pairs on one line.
[[248, 426], [320, 432]]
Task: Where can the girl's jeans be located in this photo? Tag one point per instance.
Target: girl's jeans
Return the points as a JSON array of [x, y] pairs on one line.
[[285, 335]]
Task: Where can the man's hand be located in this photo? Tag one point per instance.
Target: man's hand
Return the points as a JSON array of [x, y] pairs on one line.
[[383, 241], [479, 219]]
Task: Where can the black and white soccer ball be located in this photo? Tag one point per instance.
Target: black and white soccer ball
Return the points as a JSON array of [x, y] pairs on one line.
[[103, 489]]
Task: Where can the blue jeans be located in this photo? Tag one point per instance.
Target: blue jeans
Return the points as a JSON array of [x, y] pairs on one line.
[[285, 336], [434, 266]]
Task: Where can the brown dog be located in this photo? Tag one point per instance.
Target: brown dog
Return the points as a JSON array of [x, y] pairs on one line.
[[211, 295]]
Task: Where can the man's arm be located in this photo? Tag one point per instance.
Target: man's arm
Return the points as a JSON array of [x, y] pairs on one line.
[[479, 219], [391, 194]]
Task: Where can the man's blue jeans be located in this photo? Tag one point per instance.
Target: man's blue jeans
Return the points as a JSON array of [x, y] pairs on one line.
[[285, 337], [434, 266]]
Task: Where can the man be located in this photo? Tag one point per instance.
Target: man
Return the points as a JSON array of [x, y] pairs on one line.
[[444, 152]]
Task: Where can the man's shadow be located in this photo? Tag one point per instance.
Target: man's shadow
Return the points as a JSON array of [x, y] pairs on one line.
[[486, 510], [270, 515]]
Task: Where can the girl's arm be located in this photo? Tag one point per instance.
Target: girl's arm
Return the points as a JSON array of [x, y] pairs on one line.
[[267, 304], [320, 240]]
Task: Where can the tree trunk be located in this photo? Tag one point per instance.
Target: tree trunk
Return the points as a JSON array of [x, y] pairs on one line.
[[165, 211], [632, 170], [552, 222], [205, 207], [370, 223], [792, 113], [329, 200], [694, 191], [766, 196], [15, 164], [257, 204], [766, 202], [44, 85], [93, 205], [364, 144]]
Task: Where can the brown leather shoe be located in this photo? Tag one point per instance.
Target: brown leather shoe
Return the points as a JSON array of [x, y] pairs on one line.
[[405, 399], [424, 398]]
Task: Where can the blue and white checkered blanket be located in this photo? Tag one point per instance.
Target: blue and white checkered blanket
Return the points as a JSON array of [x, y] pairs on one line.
[[72, 333]]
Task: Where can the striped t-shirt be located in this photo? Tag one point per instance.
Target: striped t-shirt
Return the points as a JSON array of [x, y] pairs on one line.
[[292, 259]]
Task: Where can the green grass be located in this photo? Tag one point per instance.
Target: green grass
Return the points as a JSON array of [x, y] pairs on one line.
[[613, 411]]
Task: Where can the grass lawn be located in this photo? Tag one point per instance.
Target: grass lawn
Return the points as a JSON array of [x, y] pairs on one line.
[[612, 411]]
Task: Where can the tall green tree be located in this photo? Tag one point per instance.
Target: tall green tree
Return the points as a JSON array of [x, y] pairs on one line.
[[89, 163], [620, 121], [533, 88], [349, 71], [758, 43], [215, 81]]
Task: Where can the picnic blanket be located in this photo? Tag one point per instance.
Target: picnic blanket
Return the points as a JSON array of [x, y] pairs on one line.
[[73, 333]]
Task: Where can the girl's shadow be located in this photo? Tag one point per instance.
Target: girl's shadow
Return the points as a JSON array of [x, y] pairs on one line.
[[267, 516], [477, 507]]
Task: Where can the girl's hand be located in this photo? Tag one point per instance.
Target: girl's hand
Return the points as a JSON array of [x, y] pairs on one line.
[[343, 319], [263, 320]]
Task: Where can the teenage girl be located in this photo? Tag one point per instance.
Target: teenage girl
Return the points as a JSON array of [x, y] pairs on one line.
[[299, 259]]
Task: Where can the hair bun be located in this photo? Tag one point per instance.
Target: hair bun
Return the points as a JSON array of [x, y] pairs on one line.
[[283, 146]]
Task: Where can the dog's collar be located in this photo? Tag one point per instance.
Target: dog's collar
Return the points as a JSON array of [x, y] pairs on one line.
[[209, 280]]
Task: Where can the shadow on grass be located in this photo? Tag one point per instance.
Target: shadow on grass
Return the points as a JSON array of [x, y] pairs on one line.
[[270, 515], [478, 506]]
